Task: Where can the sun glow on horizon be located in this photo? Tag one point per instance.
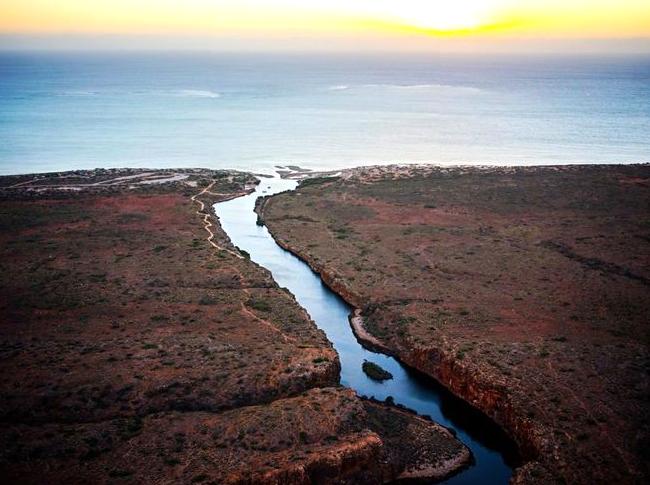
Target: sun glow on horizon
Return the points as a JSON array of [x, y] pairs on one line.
[[417, 19], [447, 16]]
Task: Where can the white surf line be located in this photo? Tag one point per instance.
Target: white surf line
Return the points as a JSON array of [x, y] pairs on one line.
[[206, 221]]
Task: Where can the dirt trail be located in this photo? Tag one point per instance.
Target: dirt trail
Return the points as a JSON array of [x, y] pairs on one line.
[[207, 224], [148, 178]]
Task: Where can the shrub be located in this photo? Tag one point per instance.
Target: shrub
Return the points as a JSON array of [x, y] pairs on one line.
[[317, 181], [259, 305], [120, 473], [375, 372], [207, 300]]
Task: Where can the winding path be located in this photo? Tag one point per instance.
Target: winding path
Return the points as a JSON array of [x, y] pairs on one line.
[[207, 225], [206, 220]]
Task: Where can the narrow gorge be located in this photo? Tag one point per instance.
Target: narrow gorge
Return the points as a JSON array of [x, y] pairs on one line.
[[329, 305]]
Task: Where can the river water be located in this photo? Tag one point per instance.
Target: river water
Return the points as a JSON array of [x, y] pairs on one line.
[[493, 452]]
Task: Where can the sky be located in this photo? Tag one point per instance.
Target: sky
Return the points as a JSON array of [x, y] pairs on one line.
[[327, 24]]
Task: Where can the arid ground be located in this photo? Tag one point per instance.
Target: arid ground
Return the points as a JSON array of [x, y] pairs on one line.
[[526, 291], [135, 347]]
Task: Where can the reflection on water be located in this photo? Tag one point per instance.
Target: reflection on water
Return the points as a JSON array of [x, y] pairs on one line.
[[492, 451]]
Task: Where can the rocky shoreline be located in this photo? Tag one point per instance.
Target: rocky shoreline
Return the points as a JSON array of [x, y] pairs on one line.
[[545, 460]]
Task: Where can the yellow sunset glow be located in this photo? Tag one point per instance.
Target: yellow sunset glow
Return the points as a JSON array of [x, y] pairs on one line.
[[570, 18], [446, 16]]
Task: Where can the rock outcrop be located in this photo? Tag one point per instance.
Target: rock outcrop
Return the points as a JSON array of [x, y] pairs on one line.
[[508, 286]]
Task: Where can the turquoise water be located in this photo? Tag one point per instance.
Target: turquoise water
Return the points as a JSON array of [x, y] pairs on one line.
[[68, 111], [489, 446]]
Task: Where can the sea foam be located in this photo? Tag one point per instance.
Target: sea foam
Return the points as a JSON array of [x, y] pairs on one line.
[[197, 93], [407, 87]]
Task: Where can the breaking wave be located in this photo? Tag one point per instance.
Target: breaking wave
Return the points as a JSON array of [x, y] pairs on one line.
[[182, 93], [79, 93], [410, 87], [197, 93]]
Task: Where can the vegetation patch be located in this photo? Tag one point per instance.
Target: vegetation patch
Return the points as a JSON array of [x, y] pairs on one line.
[[317, 181], [258, 304], [375, 372]]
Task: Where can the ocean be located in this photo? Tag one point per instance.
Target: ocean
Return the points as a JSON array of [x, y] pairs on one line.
[[63, 111]]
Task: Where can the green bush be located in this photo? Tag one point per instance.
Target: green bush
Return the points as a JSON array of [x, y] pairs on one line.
[[260, 305], [207, 300], [375, 372], [317, 181]]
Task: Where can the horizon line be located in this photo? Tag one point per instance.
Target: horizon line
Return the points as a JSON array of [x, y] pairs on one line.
[[83, 42]]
